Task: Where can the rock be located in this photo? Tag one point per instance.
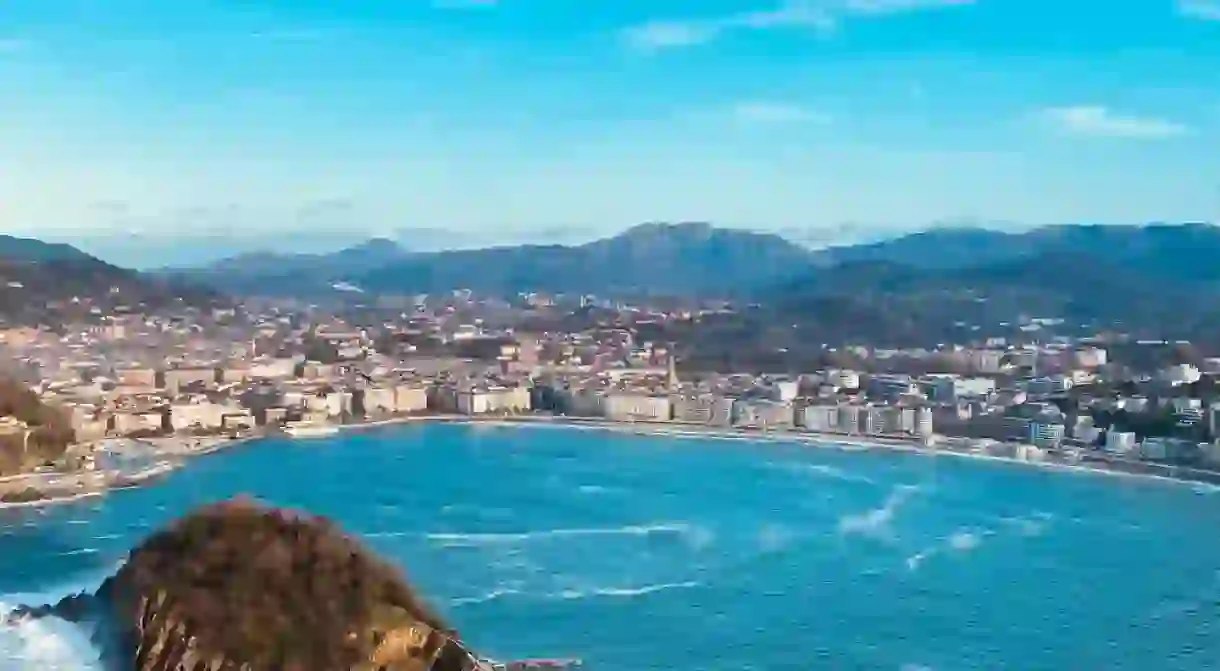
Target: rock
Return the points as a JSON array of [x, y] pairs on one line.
[[240, 587]]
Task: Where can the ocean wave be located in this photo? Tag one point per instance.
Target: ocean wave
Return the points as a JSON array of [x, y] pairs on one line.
[[593, 489], [774, 538], [624, 592], [918, 558], [572, 593], [460, 540], [493, 595], [876, 522], [44, 645], [1034, 525], [47, 644], [827, 471], [74, 553], [964, 541]]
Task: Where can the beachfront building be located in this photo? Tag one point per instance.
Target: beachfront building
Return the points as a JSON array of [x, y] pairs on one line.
[[126, 423], [338, 403], [580, 401], [820, 418], [410, 398], [763, 413], [710, 409], [379, 401], [483, 400], [923, 423], [636, 406], [199, 415]]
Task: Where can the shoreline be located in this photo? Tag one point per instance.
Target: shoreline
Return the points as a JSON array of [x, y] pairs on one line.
[[171, 454], [176, 451]]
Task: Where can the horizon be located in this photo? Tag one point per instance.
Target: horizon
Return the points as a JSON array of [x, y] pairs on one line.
[[826, 121], [117, 250]]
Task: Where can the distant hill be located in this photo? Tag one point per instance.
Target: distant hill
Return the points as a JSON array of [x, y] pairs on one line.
[[42, 282], [686, 258], [1158, 280], [1043, 269], [963, 247], [270, 273], [936, 248]]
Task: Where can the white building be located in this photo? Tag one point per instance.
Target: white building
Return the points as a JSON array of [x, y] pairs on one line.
[[763, 413], [820, 418], [479, 401], [1182, 373], [631, 406], [184, 416], [379, 401], [923, 422], [843, 379], [410, 398], [784, 390], [1120, 442], [1089, 357]]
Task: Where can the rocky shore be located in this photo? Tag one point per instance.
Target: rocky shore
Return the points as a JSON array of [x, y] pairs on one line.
[[240, 586]]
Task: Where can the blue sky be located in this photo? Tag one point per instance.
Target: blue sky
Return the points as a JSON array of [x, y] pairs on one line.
[[468, 121]]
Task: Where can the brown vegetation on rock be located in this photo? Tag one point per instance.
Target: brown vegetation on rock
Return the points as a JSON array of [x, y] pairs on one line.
[[238, 584]]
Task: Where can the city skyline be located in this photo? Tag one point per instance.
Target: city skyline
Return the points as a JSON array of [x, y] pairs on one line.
[[839, 118]]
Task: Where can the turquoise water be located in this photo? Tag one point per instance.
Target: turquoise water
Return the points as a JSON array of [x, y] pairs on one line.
[[667, 553]]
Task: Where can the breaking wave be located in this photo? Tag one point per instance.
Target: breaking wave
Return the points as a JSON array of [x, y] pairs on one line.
[[46, 644], [876, 522], [459, 540]]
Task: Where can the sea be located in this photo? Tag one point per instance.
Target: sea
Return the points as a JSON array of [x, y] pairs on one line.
[[670, 553]]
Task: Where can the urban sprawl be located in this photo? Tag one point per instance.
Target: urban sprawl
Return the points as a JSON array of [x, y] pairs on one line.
[[142, 391]]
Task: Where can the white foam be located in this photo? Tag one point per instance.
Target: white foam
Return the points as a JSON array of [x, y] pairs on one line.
[[493, 595], [774, 538], [624, 592], [918, 558], [458, 540], [1027, 526], [593, 489], [964, 541], [828, 471], [876, 522], [47, 644]]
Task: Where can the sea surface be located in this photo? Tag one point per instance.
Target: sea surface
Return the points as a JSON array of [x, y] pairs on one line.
[[665, 553]]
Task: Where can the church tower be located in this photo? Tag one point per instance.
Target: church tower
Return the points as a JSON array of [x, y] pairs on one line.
[[671, 377]]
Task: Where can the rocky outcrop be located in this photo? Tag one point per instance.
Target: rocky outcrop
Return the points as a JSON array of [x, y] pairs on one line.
[[240, 587]]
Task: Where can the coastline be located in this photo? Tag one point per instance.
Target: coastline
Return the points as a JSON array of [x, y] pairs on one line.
[[174, 452], [811, 438]]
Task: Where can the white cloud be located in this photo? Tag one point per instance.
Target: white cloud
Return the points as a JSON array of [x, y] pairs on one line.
[[1098, 121], [821, 16], [770, 112], [1204, 10]]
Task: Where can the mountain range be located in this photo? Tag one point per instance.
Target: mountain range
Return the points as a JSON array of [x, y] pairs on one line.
[[683, 259], [35, 274], [922, 285], [700, 259]]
